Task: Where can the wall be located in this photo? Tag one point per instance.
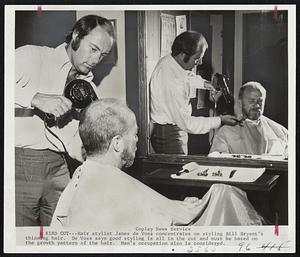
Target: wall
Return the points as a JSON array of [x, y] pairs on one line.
[[266, 60], [153, 36], [131, 60], [114, 84], [41, 29]]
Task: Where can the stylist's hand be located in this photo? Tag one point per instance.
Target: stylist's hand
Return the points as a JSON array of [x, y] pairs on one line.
[[229, 120], [214, 96], [57, 105], [208, 85]]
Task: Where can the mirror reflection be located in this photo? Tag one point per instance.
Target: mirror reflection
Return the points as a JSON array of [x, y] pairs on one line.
[[218, 83]]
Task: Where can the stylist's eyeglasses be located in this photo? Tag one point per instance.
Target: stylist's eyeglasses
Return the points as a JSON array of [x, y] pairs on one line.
[[197, 61]]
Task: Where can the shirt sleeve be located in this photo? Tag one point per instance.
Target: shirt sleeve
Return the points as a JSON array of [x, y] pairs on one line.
[[195, 82], [219, 143], [176, 101], [69, 135], [27, 61]]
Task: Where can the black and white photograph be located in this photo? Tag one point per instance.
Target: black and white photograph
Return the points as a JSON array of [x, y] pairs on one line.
[[150, 129]]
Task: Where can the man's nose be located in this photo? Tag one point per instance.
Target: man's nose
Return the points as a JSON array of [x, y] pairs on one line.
[[258, 104], [96, 58]]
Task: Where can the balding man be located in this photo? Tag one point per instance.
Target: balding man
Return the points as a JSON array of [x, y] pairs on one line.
[[259, 135]]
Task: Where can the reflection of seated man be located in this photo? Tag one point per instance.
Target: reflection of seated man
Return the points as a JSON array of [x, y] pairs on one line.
[[259, 135], [101, 196]]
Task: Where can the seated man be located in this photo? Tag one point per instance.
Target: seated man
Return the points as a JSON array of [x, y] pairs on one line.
[[259, 134], [101, 196]]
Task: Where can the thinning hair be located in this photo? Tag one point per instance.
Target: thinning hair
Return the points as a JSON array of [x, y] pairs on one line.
[[254, 86], [189, 42], [101, 121], [87, 23]]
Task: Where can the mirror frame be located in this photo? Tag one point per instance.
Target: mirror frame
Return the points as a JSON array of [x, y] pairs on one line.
[[144, 123]]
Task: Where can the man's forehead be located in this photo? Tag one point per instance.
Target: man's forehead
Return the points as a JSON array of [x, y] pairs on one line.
[[132, 129], [135, 124], [99, 36], [131, 120], [200, 50], [252, 92], [98, 30]]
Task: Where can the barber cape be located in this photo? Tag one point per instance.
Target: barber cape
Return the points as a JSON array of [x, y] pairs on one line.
[[263, 136], [104, 197]]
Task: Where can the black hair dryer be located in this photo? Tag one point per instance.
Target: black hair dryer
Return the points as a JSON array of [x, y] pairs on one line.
[[80, 93], [225, 104]]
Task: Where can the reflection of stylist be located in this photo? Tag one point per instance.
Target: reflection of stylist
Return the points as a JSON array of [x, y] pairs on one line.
[[172, 85]]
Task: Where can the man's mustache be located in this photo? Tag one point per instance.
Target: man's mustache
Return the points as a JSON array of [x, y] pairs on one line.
[[256, 109]]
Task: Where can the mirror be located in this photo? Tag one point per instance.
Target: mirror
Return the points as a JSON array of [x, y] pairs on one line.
[[243, 45]]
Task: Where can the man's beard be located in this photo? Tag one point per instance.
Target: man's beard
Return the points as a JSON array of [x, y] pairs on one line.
[[127, 158], [252, 114]]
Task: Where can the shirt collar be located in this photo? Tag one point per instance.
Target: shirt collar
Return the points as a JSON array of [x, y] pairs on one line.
[[62, 56], [95, 163], [176, 64]]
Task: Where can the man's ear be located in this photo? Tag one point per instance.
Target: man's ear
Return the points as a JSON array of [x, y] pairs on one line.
[[75, 35], [117, 143], [75, 40], [238, 108], [182, 56], [240, 103]]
